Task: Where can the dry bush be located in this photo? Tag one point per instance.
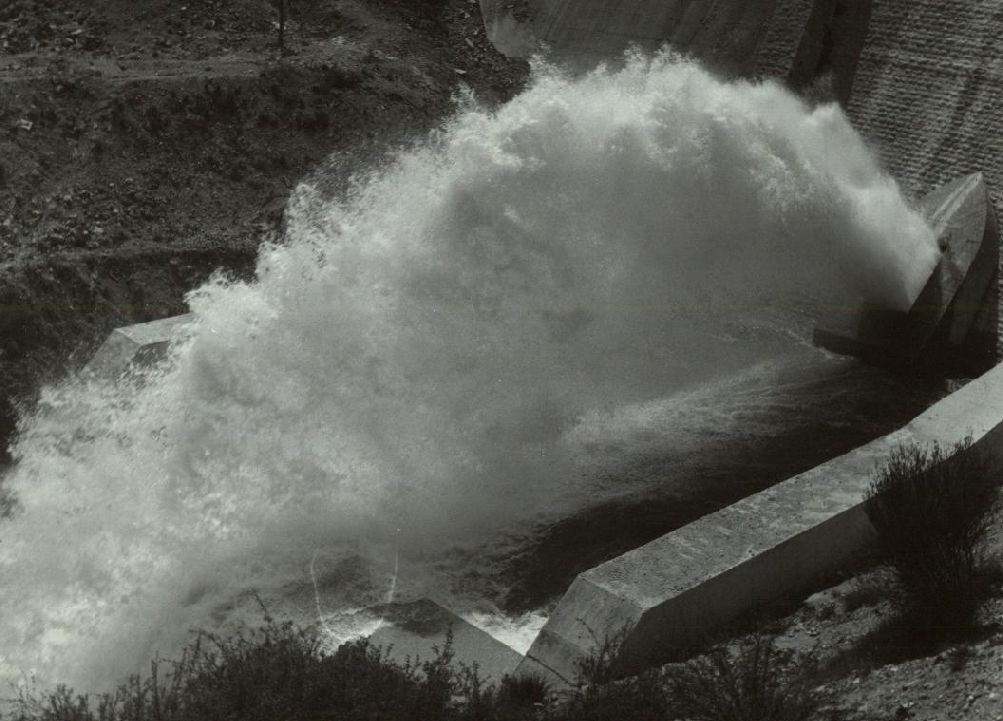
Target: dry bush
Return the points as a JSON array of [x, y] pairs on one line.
[[758, 682], [932, 509]]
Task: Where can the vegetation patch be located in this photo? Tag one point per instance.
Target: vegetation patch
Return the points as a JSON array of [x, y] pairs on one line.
[[932, 509], [280, 671], [756, 682]]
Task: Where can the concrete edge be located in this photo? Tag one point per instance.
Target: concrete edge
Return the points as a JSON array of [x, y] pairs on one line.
[[758, 550], [141, 344]]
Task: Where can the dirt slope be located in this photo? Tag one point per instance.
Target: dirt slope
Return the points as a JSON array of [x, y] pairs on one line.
[[145, 144]]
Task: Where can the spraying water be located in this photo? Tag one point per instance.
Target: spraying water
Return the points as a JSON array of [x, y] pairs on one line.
[[428, 361]]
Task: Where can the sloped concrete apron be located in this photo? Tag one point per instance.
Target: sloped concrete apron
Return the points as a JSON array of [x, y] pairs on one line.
[[669, 592]]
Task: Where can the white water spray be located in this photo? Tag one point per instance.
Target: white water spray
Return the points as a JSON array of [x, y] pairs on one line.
[[419, 355]]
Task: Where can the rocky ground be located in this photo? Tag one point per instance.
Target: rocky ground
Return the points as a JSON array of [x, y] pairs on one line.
[[145, 145], [874, 668]]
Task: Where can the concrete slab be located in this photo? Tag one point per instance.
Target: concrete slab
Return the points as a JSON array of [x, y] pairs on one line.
[[136, 345], [939, 331], [415, 629], [668, 593]]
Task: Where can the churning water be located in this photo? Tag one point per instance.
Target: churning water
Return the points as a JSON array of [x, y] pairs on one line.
[[509, 326]]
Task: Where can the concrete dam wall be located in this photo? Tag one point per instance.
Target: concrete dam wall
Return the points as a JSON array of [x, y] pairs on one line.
[[725, 34], [929, 90], [922, 79]]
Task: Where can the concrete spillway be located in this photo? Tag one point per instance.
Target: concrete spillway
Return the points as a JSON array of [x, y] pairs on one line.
[[669, 592], [930, 99], [952, 326]]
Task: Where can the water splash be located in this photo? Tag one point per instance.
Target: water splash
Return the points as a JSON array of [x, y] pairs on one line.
[[414, 361]]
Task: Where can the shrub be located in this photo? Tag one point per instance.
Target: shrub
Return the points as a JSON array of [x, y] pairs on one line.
[[524, 690], [932, 509], [275, 672], [758, 683], [602, 694]]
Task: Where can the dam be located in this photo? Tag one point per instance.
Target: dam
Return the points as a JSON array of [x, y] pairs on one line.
[[495, 334]]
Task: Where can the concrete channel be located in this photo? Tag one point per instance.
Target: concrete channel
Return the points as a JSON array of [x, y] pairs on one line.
[[671, 591]]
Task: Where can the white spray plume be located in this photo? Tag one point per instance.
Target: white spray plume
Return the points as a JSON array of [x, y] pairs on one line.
[[416, 356]]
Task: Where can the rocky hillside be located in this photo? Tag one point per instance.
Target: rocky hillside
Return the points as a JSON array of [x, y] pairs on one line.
[[143, 145]]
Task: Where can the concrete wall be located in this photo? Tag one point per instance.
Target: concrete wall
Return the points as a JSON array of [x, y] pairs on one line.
[[922, 78], [951, 327], [724, 33], [782, 37], [929, 90], [416, 629], [788, 39], [678, 587]]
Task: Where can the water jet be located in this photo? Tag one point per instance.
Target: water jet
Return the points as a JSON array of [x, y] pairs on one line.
[[669, 592], [952, 327], [503, 329]]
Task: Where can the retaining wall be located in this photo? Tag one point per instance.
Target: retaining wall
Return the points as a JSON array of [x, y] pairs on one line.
[[670, 592]]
